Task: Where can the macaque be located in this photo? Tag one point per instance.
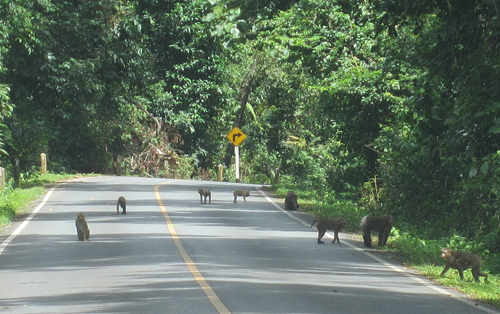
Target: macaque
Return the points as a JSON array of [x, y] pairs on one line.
[[382, 224], [82, 228], [122, 202], [331, 224], [461, 261], [205, 193], [243, 193], [291, 201]]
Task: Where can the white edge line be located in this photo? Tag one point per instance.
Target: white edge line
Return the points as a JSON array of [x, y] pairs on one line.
[[18, 230], [458, 297], [26, 221]]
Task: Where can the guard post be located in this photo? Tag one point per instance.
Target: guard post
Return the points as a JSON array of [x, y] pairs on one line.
[[43, 161]]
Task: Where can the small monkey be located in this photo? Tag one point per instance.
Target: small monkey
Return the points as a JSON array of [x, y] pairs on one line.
[[291, 201], [205, 194], [122, 202], [461, 261], [331, 224], [243, 193], [82, 229]]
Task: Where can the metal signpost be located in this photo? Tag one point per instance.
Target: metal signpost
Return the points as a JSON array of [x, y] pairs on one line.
[[236, 136]]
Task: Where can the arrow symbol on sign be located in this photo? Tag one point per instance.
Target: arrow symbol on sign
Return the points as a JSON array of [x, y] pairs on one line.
[[235, 136]]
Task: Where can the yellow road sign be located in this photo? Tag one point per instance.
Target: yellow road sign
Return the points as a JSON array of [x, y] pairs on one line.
[[236, 136]]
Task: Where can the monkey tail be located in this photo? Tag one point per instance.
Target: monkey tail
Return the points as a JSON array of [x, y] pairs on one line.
[[314, 222]]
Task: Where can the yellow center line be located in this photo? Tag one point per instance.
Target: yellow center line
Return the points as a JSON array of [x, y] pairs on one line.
[[217, 303]]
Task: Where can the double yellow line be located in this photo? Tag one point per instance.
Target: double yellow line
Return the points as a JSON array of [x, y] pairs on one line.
[[217, 303]]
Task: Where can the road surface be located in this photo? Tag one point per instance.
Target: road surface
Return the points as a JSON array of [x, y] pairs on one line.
[[171, 254]]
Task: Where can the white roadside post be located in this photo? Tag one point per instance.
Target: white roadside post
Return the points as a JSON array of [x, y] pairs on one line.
[[43, 161], [236, 136]]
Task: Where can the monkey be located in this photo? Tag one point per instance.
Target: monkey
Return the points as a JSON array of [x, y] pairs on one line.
[[122, 202], [291, 201], [461, 261], [331, 224], [382, 224], [82, 228], [205, 193], [243, 193]]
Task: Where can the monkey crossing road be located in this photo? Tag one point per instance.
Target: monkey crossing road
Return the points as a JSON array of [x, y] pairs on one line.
[[171, 254]]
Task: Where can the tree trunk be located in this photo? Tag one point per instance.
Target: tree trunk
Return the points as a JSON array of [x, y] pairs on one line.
[[246, 88]]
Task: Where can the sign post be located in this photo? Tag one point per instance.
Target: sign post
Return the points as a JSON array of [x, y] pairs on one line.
[[236, 136], [237, 163]]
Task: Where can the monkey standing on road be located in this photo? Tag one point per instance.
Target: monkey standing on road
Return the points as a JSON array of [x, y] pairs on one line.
[[382, 224], [82, 229], [205, 193], [122, 202], [291, 201], [331, 224], [243, 193]]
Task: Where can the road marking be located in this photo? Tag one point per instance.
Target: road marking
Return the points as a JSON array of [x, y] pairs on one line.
[[458, 297], [25, 222], [210, 293], [281, 209]]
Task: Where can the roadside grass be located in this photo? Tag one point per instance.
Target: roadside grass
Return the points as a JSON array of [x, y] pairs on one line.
[[424, 256], [15, 201], [408, 247], [334, 209], [484, 292]]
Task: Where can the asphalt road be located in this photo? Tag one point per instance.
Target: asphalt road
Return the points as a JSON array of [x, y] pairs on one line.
[[171, 254]]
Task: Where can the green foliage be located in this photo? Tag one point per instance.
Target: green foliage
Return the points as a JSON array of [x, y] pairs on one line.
[[185, 168], [364, 107], [319, 205], [373, 107], [13, 202], [370, 197], [424, 255], [414, 250]]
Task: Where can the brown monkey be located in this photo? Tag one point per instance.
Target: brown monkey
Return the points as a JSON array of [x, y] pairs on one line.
[[243, 193], [461, 261], [205, 193], [122, 202], [82, 229], [382, 224], [331, 224], [291, 201]]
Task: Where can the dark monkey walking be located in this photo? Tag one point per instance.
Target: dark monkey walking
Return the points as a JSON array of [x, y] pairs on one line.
[[122, 202], [291, 201], [382, 224]]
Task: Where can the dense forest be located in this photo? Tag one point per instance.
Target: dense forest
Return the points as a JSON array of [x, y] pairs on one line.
[[390, 105]]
